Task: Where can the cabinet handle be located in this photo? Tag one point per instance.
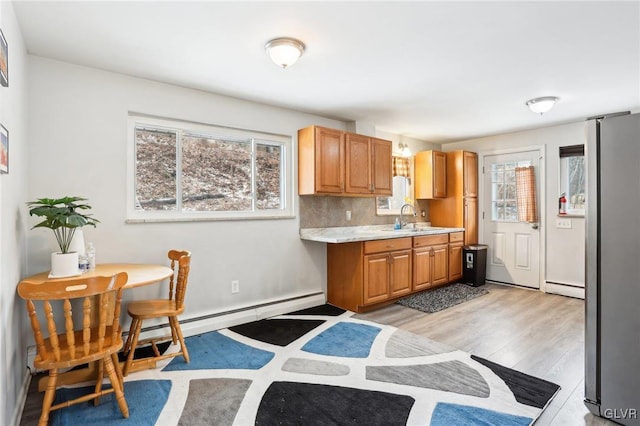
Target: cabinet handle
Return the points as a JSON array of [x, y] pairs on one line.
[[373, 187]]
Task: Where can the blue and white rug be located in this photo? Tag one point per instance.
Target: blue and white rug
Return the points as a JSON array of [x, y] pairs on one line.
[[320, 366]]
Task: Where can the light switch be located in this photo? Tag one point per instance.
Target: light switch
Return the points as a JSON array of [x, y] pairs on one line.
[[563, 223], [348, 215]]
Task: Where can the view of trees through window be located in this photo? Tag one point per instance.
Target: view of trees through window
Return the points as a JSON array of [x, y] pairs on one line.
[[214, 174], [504, 206], [576, 185]]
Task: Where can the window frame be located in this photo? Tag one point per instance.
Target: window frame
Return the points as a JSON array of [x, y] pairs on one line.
[[256, 137]]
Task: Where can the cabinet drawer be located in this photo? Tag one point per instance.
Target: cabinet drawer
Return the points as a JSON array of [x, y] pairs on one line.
[[430, 240], [377, 246], [456, 237]]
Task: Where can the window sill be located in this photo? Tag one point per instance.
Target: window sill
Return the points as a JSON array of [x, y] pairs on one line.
[[202, 219]]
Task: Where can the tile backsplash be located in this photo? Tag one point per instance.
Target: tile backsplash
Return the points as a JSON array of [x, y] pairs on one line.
[[329, 211]]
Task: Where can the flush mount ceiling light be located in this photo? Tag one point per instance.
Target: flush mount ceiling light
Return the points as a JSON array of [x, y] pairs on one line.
[[284, 51], [541, 105]]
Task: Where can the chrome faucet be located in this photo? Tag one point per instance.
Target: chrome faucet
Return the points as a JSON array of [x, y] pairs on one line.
[[403, 222]]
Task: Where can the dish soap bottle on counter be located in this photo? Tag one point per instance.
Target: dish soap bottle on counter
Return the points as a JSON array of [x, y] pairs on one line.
[[91, 255], [397, 224]]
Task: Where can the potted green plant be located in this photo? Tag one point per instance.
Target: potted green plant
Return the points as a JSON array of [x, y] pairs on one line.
[[64, 217]]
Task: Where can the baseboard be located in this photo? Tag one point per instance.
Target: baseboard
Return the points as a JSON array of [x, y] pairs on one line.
[[206, 323], [219, 320], [564, 290], [22, 398]]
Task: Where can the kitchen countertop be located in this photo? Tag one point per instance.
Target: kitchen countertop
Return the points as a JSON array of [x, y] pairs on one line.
[[348, 234]]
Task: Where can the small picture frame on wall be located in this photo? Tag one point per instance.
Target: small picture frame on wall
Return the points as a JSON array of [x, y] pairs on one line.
[[4, 149], [4, 61]]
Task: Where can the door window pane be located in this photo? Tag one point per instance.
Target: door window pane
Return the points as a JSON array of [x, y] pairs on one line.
[[503, 191]]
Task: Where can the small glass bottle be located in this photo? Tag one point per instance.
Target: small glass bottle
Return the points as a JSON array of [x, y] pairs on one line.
[[397, 224], [91, 256]]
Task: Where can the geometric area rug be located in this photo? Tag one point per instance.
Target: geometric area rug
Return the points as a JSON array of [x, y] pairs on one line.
[[319, 366]]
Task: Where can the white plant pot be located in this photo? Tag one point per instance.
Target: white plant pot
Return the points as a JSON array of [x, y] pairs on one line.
[[64, 265]]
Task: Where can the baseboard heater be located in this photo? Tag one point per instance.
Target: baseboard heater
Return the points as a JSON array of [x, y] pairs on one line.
[[311, 299], [220, 320], [565, 289]]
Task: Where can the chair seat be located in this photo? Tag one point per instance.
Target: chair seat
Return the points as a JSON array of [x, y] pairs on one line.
[[66, 360], [153, 308]]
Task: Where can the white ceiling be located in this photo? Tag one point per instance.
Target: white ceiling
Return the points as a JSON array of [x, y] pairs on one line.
[[437, 71]]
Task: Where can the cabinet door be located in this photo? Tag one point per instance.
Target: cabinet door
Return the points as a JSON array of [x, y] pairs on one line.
[[470, 172], [400, 273], [470, 221], [376, 278], [381, 167], [455, 261], [439, 174], [440, 264], [421, 268], [431, 174], [357, 164], [329, 157]]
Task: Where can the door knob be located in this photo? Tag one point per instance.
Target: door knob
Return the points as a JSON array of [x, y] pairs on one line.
[[534, 226]]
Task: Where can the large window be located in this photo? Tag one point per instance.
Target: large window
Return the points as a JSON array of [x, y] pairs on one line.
[[572, 178], [185, 171]]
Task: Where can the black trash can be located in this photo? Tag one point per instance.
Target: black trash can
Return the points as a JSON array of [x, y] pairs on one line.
[[474, 264]]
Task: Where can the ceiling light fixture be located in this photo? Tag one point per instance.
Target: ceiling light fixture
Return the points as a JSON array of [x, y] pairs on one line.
[[284, 51], [542, 105]]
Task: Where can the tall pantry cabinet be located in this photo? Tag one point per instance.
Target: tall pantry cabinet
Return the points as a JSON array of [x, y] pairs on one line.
[[460, 208]]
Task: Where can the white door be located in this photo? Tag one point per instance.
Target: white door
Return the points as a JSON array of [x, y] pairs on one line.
[[513, 255]]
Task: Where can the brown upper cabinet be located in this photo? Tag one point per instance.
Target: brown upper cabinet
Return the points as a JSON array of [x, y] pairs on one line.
[[460, 208], [470, 172], [333, 162], [431, 174], [320, 161]]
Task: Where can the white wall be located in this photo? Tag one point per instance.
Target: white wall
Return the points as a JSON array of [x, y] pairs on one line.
[[565, 248], [13, 189], [78, 118]]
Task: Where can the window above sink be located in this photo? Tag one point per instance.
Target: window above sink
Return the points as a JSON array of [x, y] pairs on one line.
[[403, 192]]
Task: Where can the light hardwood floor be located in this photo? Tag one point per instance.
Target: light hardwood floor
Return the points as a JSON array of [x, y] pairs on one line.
[[530, 331]]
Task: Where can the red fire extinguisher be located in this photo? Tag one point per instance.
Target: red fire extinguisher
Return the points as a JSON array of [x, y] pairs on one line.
[[562, 204]]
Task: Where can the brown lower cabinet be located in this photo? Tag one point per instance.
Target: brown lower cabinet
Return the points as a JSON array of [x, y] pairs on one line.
[[456, 245], [430, 261], [363, 275]]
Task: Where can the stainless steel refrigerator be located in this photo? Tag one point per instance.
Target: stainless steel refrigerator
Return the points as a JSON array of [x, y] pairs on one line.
[[612, 356]]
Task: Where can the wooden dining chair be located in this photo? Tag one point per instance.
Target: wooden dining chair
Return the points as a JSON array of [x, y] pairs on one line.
[[170, 308], [93, 334]]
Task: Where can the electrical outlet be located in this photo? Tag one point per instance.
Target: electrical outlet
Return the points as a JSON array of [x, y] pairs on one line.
[[235, 286], [563, 223], [348, 215]]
